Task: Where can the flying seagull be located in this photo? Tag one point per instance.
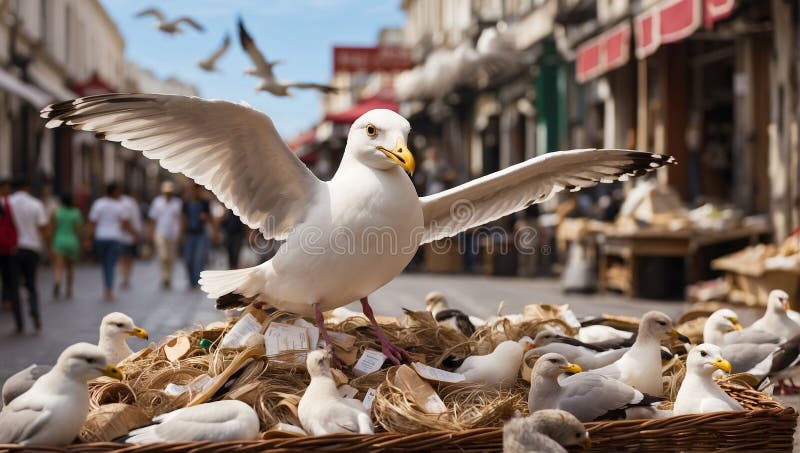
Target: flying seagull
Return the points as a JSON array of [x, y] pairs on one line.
[[210, 63], [263, 70], [346, 237], [169, 27]]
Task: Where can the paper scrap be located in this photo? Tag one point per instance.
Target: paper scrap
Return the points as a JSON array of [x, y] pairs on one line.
[[341, 339], [369, 398], [198, 384], [436, 374], [369, 362], [240, 332], [281, 337], [175, 389], [347, 391], [313, 332], [418, 391]]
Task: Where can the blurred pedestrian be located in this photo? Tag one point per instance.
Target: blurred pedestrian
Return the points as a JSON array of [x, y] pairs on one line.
[[67, 225], [31, 222], [196, 221], [9, 271], [234, 231], [129, 242], [165, 229], [108, 219], [439, 175]]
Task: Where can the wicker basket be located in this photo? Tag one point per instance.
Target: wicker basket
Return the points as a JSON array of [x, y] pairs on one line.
[[765, 427]]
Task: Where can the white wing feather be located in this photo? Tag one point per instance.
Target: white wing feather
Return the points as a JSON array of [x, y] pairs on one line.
[[533, 181], [231, 149]]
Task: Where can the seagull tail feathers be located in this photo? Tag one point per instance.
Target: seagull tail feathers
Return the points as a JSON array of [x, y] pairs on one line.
[[145, 435], [219, 283]]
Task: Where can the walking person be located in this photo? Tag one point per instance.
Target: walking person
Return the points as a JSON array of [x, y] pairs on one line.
[[234, 231], [9, 271], [129, 242], [196, 221], [31, 222], [165, 229], [108, 219], [67, 225]]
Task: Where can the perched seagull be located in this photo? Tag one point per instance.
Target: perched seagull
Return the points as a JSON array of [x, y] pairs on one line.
[[169, 27], [54, 409], [587, 356], [217, 421], [322, 410], [599, 333], [640, 367], [722, 328], [263, 70], [436, 303], [548, 430], [699, 393], [587, 396], [114, 329], [235, 152], [210, 63], [22, 381], [776, 320], [498, 369]]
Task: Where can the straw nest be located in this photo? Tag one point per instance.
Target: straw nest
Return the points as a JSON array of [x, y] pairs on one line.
[[274, 385]]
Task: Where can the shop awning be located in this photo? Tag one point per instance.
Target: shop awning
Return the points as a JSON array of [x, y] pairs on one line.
[[716, 10], [362, 107], [30, 93], [603, 53], [666, 22], [93, 86]]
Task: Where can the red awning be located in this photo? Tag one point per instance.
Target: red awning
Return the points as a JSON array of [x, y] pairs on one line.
[[668, 21], [716, 10], [95, 85], [603, 53], [362, 107]]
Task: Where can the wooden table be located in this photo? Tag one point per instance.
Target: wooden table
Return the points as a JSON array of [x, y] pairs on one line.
[[624, 251]]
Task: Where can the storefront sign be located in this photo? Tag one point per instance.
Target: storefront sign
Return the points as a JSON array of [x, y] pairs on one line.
[[371, 59], [603, 53]]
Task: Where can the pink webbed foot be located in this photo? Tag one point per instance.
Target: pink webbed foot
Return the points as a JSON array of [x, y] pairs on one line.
[[393, 353]]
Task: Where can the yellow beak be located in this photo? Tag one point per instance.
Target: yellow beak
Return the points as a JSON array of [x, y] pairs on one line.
[[112, 372], [138, 332], [401, 156], [679, 336], [722, 364], [587, 443], [736, 325], [571, 368]]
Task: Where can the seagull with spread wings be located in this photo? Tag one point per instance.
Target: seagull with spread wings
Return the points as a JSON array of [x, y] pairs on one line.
[[263, 70], [210, 63], [169, 27], [346, 237]]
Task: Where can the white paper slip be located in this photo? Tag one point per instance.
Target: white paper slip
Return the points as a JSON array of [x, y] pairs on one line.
[[347, 391], [175, 389], [281, 337], [369, 398], [435, 405], [341, 339], [369, 362], [313, 332], [200, 383], [569, 317], [435, 374], [240, 332]]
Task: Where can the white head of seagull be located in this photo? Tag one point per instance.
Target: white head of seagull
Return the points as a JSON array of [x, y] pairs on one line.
[[377, 139], [83, 362], [552, 365], [318, 363], [655, 325], [705, 359], [115, 328], [718, 324], [778, 302]]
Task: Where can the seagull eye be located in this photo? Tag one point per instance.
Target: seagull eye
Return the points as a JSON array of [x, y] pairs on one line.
[[118, 324], [553, 361], [662, 323], [372, 131], [703, 353], [89, 360]]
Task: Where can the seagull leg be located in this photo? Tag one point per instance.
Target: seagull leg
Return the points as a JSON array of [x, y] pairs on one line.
[[335, 360], [392, 352]]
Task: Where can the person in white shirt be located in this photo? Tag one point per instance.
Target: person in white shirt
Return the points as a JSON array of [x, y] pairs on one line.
[[108, 220], [31, 221], [165, 229], [129, 241]]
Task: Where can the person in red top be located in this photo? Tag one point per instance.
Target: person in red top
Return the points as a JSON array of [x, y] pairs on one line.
[[9, 271]]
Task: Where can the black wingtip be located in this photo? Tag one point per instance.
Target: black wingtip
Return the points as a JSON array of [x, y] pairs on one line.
[[231, 301]]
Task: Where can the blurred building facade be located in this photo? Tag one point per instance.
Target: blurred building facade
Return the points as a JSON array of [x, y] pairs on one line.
[[712, 82], [56, 51]]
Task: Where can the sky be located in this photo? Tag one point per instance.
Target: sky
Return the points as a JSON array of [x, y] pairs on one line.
[[302, 33]]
